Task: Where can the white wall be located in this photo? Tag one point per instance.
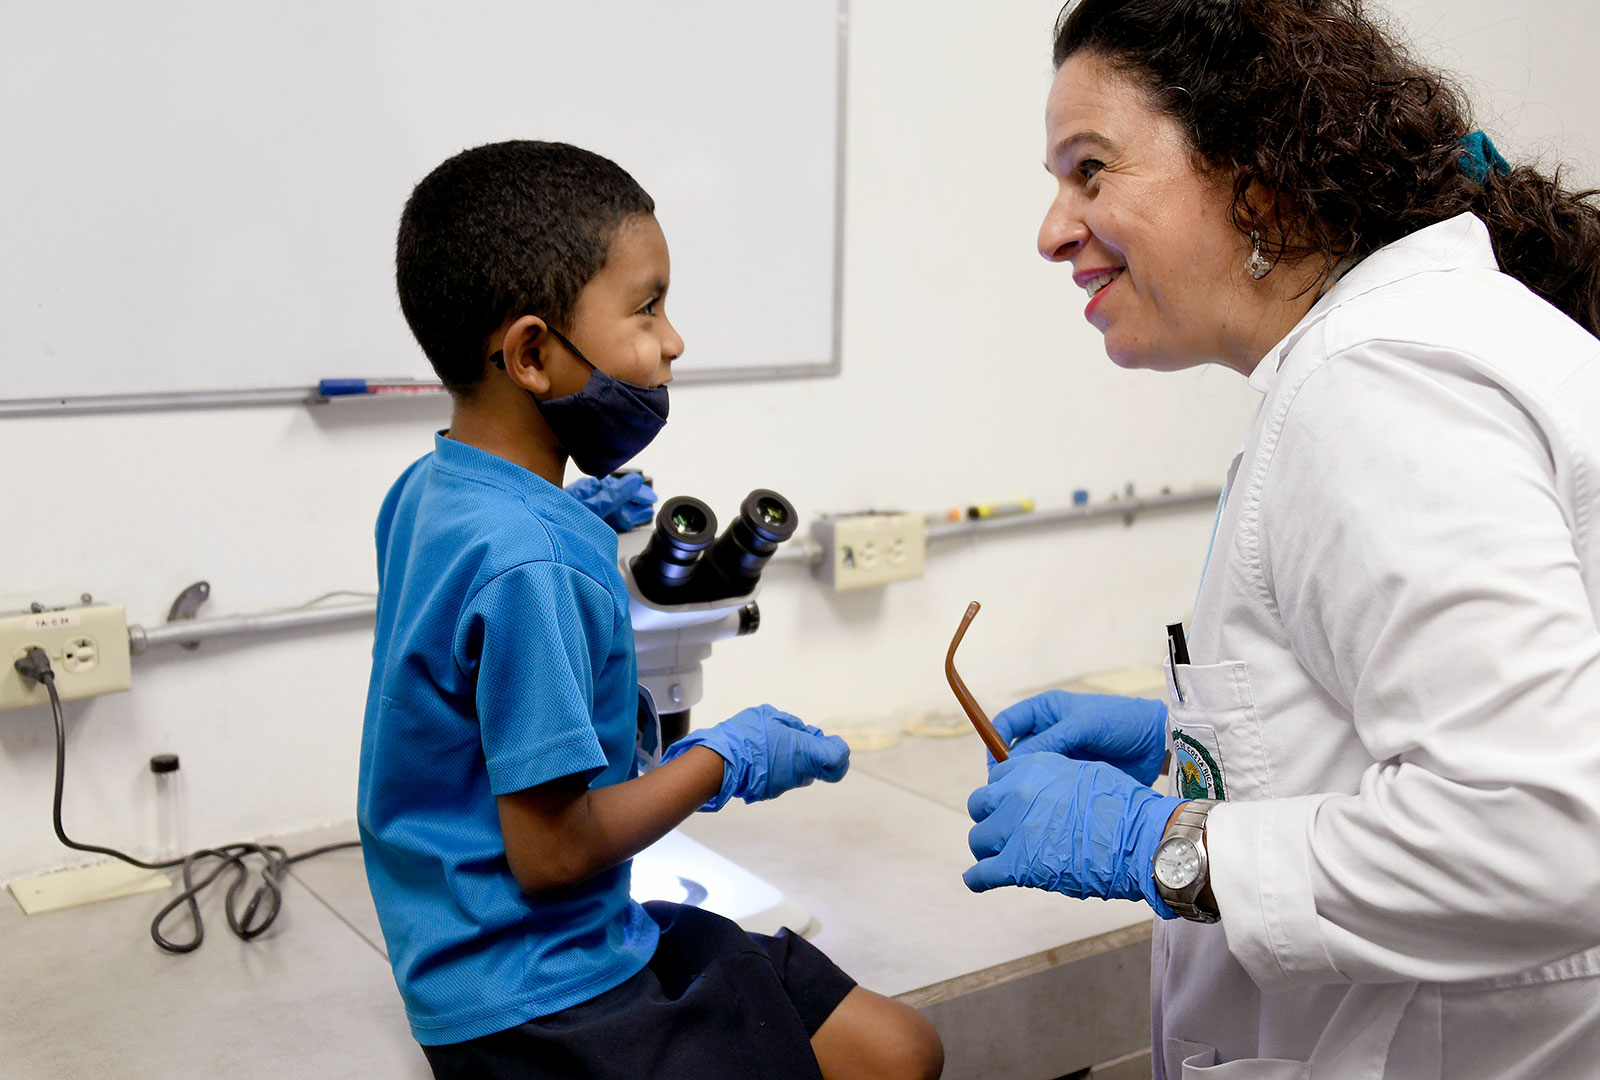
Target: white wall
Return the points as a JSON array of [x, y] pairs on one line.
[[969, 375], [1528, 68]]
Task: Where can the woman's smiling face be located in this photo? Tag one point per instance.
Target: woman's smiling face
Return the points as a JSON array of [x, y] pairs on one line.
[[1149, 237]]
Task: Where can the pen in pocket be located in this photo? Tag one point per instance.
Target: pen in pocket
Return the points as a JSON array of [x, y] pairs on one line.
[[1178, 653]]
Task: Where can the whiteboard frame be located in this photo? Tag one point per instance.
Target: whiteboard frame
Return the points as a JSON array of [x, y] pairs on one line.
[[71, 405]]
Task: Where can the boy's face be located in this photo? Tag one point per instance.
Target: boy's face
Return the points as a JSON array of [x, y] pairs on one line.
[[620, 321]]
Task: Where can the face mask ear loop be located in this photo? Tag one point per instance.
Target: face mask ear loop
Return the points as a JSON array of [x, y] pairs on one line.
[[498, 357], [571, 348]]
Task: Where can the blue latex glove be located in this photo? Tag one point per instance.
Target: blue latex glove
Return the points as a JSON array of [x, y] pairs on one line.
[[766, 752], [1130, 733], [1083, 828], [623, 502]]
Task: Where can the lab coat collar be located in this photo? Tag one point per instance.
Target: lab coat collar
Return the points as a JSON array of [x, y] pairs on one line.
[[1458, 243]]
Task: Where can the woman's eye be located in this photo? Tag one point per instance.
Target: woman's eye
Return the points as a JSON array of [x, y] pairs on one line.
[[1089, 166]]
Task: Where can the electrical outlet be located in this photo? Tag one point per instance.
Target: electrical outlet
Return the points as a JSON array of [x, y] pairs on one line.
[[863, 550], [87, 646]]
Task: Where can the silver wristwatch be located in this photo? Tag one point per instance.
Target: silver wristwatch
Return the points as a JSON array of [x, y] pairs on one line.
[[1182, 868]]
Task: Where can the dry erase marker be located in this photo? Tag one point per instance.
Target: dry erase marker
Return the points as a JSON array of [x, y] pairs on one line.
[[330, 388], [994, 510]]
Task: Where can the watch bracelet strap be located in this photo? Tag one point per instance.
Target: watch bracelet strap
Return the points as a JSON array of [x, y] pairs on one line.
[[1191, 823], [1193, 814]]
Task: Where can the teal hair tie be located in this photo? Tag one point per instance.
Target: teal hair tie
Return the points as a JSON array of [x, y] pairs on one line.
[[1478, 156]]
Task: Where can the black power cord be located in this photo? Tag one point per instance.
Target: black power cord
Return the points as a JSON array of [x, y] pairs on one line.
[[256, 918]]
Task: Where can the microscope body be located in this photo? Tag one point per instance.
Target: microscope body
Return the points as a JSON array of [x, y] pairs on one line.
[[672, 643]]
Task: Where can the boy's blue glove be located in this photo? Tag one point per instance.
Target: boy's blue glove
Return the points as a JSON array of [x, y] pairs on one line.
[[766, 752], [1083, 828], [1130, 733], [623, 502]]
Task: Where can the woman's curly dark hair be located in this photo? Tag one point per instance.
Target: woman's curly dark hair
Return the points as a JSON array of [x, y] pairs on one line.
[[1354, 143]]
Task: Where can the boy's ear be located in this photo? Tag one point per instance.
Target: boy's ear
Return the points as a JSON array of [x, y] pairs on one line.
[[521, 350]]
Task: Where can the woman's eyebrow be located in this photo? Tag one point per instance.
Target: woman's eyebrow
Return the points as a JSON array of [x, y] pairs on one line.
[[1092, 138]]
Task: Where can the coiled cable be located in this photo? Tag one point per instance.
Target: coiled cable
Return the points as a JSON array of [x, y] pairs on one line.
[[260, 911]]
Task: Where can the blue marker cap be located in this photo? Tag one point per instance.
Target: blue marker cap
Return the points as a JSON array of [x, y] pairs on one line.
[[341, 387], [1080, 497]]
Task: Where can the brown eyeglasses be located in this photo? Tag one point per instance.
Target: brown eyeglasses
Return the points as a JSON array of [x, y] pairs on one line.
[[991, 738]]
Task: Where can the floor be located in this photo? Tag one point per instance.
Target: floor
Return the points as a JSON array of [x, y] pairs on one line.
[[1020, 983]]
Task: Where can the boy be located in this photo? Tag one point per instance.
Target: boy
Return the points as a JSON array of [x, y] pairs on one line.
[[499, 801]]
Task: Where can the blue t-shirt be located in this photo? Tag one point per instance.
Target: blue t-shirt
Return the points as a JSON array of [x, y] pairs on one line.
[[503, 659]]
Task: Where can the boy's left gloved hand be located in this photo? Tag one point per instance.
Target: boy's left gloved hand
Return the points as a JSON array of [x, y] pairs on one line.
[[1083, 828], [766, 752], [623, 502]]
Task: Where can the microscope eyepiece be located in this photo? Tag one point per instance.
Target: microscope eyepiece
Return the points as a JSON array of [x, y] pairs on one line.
[[685, 527], [774, 511], [766, 519], [688, 520]]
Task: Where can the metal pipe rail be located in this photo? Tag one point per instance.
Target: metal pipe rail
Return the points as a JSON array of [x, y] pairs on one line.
[[1127, 507], [802, 550], [194, 631]]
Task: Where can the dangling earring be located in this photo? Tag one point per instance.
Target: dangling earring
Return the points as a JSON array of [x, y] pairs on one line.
[[1257, 265]]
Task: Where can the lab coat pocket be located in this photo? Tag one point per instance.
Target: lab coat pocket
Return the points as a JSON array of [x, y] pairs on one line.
[[1197, 1061], [1215, 730]]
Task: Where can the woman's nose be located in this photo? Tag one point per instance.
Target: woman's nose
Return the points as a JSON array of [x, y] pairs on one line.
[[1062, 232]]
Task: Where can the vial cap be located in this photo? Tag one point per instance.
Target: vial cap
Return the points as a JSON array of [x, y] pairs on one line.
[[164, 763]]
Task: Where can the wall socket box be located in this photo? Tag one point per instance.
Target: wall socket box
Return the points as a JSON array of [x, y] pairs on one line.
[[863, 550], [87, 646]]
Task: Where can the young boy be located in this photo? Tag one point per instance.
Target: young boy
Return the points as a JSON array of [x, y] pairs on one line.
[[499, 799]]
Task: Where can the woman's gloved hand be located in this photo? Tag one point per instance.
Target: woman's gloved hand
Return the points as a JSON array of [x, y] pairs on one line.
[[1130, 733], [1083, 828], [623, 502], [766, 752]]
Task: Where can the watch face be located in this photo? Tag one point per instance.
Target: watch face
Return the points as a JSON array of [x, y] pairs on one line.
[[1177, 863]]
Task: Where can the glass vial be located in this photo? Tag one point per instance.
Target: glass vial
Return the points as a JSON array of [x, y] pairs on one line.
[[169, 806]]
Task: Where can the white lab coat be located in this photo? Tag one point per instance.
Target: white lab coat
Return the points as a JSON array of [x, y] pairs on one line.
[[1396, 678]]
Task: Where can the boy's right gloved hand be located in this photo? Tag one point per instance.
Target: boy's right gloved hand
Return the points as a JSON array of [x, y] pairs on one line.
[[1130, 733], [766, 752]]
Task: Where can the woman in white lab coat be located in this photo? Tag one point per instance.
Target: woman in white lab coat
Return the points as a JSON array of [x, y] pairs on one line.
[[1384, 725]]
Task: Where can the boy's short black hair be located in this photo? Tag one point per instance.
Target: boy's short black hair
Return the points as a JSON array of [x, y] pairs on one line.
[[512, 227]]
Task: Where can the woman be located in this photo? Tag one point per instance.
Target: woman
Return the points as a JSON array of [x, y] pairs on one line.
[[1385, 728]]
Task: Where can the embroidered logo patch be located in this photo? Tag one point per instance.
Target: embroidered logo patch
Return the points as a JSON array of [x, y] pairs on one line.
[[1196, 769]]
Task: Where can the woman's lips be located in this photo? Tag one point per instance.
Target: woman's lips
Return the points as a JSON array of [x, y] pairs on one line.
[[1094, 301]]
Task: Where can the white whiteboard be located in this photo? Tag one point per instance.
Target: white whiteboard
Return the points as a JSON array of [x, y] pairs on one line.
[[203, 195]]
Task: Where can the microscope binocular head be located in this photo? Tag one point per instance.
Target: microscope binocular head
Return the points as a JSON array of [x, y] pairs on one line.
[[686, 562]]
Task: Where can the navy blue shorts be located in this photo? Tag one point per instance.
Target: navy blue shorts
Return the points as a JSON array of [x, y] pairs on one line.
[[714, 1001]]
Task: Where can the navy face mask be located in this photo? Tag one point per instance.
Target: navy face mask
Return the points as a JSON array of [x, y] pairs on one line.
[[606, 423]]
